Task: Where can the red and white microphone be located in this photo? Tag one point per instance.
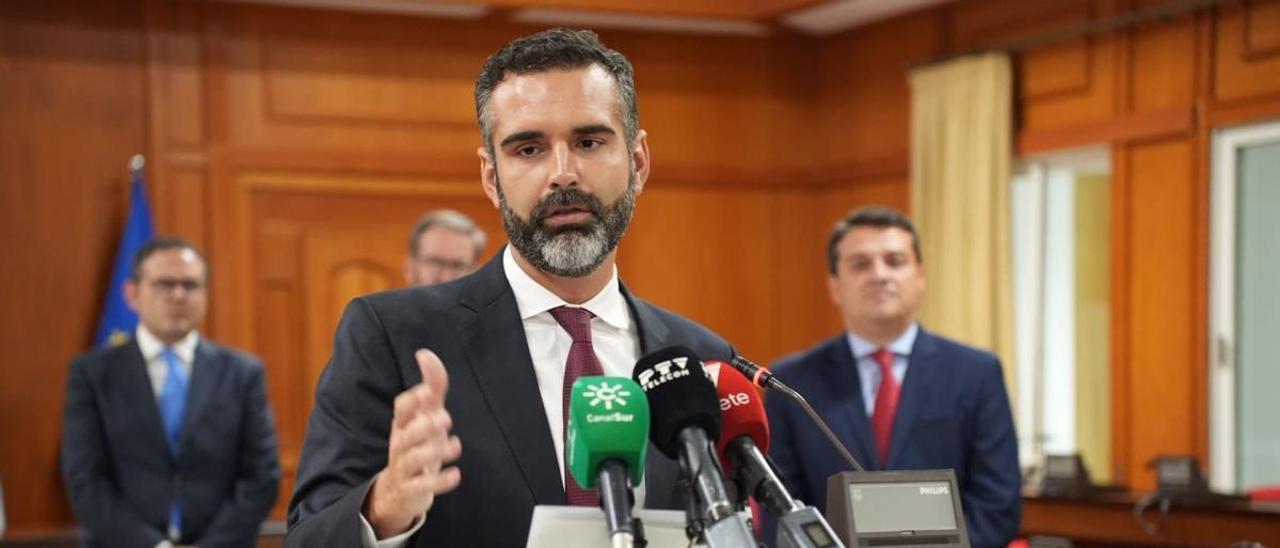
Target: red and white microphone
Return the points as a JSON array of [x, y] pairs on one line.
[[744, 438], [741, 413]]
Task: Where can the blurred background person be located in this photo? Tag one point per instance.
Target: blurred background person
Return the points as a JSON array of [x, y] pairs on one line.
[[444, 245], [167, 437], [900, 397]]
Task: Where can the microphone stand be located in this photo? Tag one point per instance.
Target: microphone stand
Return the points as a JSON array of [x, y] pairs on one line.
[[693, 524], [763, 378], [617, 499], [799, 526]]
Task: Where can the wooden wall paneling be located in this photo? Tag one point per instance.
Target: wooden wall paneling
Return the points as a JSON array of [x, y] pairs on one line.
[[73, 109], [1121, 263], [1247, 51], [370, 88], [1161, 333], [1200, 218], [721, 109], [176, 152], [1117, 129], [1234, 114], [1067, 103], [803, 314], [342, 263], [707, 254], [1161, 69], [227, 200], [1262, 29], [698, 8], [1224, 113], [838, 199], [1055, 70], [353, 84], [864, 100], [278, 312], [1141, 86], [980, 23], [185, 204]]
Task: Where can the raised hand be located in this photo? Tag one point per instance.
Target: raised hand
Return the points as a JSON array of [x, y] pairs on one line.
[[419, 449]]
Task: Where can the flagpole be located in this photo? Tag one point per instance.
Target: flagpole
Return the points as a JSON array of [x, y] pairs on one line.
[[136, 163]]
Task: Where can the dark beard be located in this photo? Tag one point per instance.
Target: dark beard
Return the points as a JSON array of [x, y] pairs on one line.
[[570, 251]]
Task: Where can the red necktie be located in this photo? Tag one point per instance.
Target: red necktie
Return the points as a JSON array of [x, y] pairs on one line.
[[886, 402], [582, 361]]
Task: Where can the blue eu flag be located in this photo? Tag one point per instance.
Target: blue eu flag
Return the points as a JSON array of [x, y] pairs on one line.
[[118, 320]]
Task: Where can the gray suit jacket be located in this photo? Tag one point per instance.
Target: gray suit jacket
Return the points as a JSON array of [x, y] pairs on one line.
[[508, 461], [120, 476]]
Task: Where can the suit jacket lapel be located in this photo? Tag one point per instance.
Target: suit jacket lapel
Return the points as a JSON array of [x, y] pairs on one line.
[[916, 388], [493, 337], [135, 384], [653, 333], [845, 388], [207, 372], [659, 470]]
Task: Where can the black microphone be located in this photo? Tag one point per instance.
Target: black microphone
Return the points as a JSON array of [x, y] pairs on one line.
[[684, 415], [761, 377]]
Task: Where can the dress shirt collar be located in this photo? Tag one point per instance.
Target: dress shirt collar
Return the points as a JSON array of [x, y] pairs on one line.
[[151, 346], [533, 299], [900, 346]]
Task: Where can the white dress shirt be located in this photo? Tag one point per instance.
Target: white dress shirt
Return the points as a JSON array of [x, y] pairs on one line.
[[157, 369], [869, 370], [614, 335]]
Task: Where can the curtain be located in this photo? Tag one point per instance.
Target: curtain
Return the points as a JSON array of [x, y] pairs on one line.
[[961, 148]]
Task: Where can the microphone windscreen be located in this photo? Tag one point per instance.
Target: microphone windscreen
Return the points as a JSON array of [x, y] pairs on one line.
[[608, 420], [741, 411], [680, 395]]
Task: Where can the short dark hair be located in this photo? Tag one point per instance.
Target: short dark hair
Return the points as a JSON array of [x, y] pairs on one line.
[[156, 245], [876, 216], [452, 220], [552, 49]]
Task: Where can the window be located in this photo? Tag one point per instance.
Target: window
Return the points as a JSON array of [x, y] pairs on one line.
[[1244, 309], [1061, 245]]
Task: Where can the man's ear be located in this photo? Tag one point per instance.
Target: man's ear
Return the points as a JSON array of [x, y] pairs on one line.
[[488, 175], [130, 289], [408, 270], [641, 159], [833, 290]]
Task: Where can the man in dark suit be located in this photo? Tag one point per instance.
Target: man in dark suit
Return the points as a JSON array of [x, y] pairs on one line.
[[167, 438], [453, 446], [900, 397]]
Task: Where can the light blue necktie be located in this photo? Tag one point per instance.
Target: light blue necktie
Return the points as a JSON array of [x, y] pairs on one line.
[[173, 405]]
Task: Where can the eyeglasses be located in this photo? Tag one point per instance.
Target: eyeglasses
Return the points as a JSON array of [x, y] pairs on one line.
[[439, 264], [171, 285]]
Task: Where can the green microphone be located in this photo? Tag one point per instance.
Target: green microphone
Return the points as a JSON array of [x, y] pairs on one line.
[[608, 437]]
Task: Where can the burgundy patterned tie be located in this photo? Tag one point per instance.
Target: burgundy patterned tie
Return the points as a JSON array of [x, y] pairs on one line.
[[582, 361]]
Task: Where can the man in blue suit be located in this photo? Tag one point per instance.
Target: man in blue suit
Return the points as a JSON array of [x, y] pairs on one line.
[[899, 397], [167, 438]]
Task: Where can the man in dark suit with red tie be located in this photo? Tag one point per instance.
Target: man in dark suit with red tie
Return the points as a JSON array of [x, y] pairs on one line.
[[900, 397], [439, 419]]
